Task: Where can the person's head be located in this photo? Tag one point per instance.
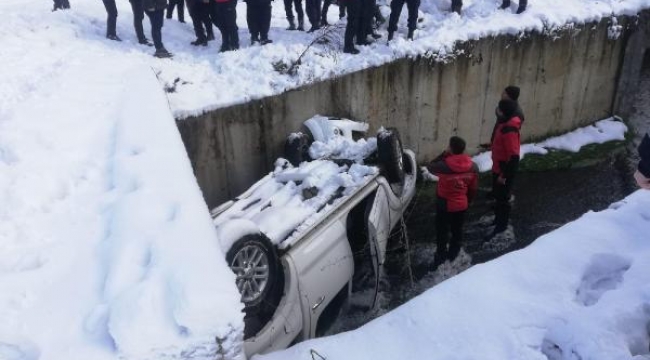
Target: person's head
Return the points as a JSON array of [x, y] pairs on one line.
[[456, 145], [507, 108], [510, 93]]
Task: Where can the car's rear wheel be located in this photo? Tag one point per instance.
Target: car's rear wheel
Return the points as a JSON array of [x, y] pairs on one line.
[[259, 279], [296, 147], [390, 153]]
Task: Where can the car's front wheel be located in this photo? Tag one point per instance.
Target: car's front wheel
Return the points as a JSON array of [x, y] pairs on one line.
[[259, 279]]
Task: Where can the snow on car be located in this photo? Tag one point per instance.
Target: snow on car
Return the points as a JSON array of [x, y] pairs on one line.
[[290, 238]]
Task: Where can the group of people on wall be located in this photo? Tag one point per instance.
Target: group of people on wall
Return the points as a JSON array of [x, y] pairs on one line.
[[458, 177], [363, 19]]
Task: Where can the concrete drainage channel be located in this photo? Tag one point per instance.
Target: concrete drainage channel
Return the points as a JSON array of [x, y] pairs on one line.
[[545, 200]]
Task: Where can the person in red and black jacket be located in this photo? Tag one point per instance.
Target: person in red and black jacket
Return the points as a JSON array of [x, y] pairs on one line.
[[457, 186], [642, 175], [505, 146]]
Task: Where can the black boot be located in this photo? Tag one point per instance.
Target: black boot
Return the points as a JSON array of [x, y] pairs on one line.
[[113, 37], [254, 39], [505, 4], [265, 40], [323, 21], [390, 35], [301, 25], [350, 50], [521, 9], [162, 53], [199, 42], [145, 41], [234, 40], [410, 34], [292, 25]]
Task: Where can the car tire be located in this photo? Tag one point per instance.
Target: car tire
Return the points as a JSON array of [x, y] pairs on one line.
[[390, 154], [259, 279], [296, 147]]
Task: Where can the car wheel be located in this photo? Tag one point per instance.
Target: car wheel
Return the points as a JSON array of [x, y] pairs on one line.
[[259, 279], [390, 153], [296, 148]]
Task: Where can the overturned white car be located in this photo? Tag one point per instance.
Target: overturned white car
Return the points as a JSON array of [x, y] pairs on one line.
[[290, 237]]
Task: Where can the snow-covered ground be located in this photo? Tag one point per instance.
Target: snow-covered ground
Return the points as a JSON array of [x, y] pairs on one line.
[[579, 292], [107, 249], [202, 79]]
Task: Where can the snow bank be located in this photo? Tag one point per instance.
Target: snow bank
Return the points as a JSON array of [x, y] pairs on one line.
[[200, 79], [579, 292], [602, 131], [107, 249]]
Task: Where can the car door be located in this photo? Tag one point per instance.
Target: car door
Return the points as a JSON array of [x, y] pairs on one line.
[[324, 265]]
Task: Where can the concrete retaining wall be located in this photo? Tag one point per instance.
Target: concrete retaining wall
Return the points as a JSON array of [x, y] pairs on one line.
[[566, 81]]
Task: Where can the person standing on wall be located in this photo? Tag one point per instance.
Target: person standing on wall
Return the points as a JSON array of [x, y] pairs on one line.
[[457, 187], [201, 13], [353, 28], [258, 17], [396, 10], [301, 14], [313, 8], [155, 10], [642, 174], [520, 9], [506, 143], [111, 20], [138, 16], [180, 6], [61, 5], [224, 15]]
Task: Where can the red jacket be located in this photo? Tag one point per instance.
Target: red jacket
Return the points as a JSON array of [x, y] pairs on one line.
[[505, 147], [458, 180]]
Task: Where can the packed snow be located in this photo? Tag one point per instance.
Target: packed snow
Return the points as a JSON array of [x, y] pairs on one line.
[[579, 292], [286, 202], [107, 249], [199, 79]]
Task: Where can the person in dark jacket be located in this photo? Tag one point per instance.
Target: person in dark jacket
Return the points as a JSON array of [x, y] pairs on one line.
[[258, 17], [396, 10], [522, 5], [457, 186], [61, 5], [224, 15], [202, 14], [506, 143], [642, 175], [180, 6], [138, 16], [155, 10], [290, 18], [111, 20]]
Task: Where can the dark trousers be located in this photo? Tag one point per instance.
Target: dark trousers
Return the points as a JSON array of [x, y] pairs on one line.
[[353, 28], [522, 3], [200, 13], [111, 19], [180, 6], [138, 16], [446, 222], [298, 5], [396, 10], [156, 18], [502, 202], [224, 15], [61, 4], [367, 15], [313, 8], [258, 16]]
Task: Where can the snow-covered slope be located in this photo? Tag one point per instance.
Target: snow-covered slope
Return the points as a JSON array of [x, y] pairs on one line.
[[580, 292], [107, 249], [202, 79]]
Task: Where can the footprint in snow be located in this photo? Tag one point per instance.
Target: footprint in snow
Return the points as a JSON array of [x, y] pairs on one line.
[[604, 273]]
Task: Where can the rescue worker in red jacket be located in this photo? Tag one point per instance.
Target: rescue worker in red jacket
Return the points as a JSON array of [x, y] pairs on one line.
[[457, 186], [505, 146]]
